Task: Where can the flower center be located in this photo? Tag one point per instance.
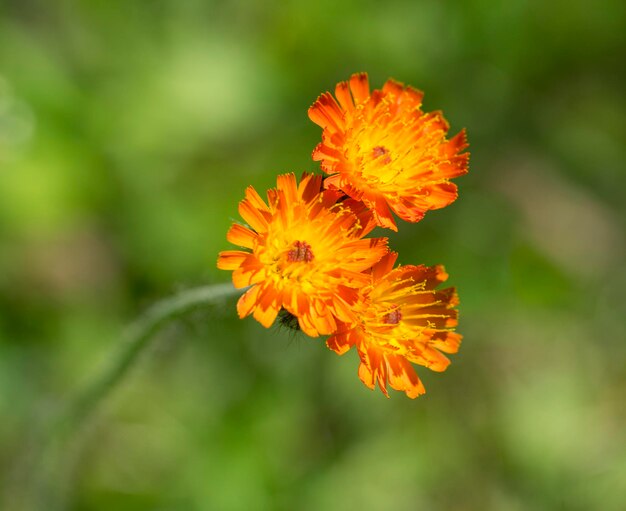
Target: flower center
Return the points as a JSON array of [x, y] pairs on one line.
[[394, 317], [379, 151], [301, 251]]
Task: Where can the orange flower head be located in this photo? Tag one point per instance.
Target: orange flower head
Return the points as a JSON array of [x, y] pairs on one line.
[[380, 148], [305, 252], [401, 319]]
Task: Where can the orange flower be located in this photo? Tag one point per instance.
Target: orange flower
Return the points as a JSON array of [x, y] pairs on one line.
[[381, 148], [401, 319], [305, 254]]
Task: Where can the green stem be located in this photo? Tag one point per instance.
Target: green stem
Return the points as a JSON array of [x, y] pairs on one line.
[[44, 477], [138, 337]]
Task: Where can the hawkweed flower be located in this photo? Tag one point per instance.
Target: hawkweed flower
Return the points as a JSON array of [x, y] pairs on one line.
[[382, 149], [305, 253], [401, 319]]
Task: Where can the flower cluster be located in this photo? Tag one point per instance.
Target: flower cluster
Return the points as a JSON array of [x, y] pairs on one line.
[[305, 251]]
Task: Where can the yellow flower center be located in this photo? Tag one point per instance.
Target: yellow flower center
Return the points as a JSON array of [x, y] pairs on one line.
[[301, 263], [381, 143]]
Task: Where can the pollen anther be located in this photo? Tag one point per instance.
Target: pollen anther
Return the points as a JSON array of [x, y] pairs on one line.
[[301, 251], [394, 317]]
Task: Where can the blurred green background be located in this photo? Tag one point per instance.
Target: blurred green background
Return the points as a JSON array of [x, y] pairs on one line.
[[128, 132]]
